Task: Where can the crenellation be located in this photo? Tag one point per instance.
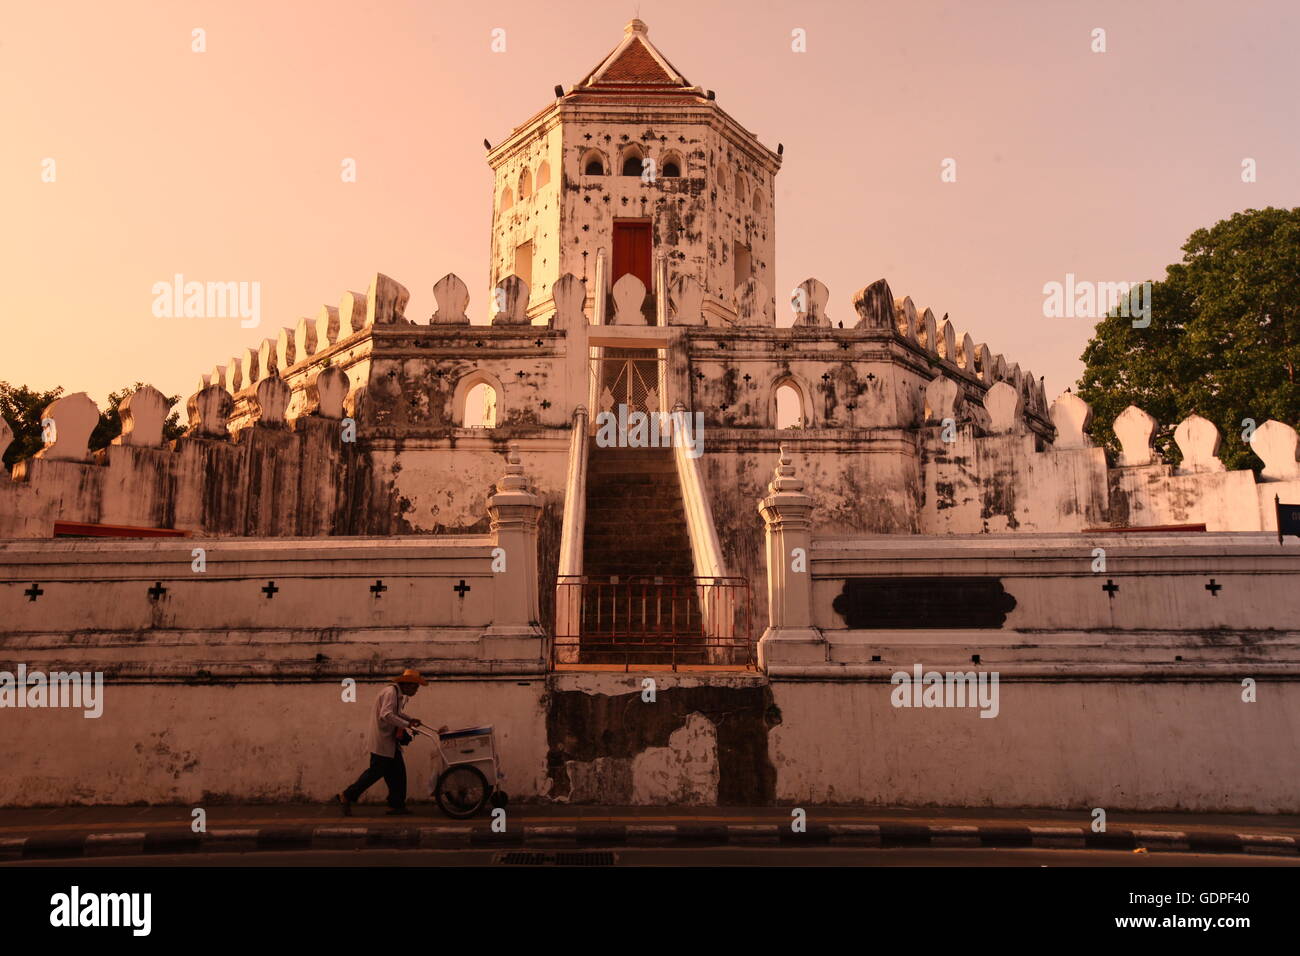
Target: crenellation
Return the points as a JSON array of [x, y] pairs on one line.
[[512, 302], [352, 314], [386, 301], [754, 304], [271, 402], [304, 339], [811, 296], [948, 347], [1133, 428], [930, 337], [143, 414], [327, 327], [452, 297], [1006, 409], [875, 306], [1071, 417], [268, 360], [687, 297], [629, 299], [966, 354], [570, 296], [327, 393], [209, 411], [250, 361], [1275, 445], [906, 319], [1198, 439], [286, 350], [941, 400], [73, 418]]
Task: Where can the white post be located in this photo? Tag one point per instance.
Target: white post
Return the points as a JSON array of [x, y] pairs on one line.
[[661, 290], [602, 289], [516, 632], [568, 587], [787, 514]]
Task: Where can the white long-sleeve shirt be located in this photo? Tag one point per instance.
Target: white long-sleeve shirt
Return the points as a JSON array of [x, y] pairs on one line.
[[387, 721]]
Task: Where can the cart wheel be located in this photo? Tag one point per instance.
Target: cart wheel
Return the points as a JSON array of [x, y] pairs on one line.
[[461, 791], [498, 798]]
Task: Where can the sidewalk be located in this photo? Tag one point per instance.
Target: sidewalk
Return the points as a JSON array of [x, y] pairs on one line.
[[69, 832]]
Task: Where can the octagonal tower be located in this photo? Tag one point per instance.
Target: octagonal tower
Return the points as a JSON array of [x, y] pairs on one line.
[[634, 163]]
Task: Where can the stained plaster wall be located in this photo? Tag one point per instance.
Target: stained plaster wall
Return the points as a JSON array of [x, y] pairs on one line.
[[1122, 745], [1013, 482], [204, 744], [534, 218]]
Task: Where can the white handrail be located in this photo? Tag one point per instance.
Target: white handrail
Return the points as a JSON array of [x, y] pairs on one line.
[[718, 604], [568, 604]]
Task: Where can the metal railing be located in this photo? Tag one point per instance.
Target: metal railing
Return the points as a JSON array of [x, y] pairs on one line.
[[645, 619]]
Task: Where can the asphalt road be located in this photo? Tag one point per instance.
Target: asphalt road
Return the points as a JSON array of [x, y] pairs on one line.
[[695, 856]]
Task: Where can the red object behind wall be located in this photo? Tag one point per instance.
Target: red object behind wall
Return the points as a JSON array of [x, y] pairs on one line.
[[70, 529], [632, 250]]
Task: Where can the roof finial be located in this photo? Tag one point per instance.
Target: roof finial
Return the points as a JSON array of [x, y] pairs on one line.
[[636, 26]]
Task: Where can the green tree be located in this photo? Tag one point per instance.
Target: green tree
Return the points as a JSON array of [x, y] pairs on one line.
[[22, 407], [1224, 338]]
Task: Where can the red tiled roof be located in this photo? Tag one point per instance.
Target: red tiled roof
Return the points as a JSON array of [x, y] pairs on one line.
[[635, 65]]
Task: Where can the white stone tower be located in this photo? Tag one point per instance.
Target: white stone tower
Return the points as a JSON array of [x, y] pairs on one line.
[[633, 165]]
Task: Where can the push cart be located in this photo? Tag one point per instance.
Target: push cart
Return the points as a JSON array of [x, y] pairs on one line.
[[469, 774]]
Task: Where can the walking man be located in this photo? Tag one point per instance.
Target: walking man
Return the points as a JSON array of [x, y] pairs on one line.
[[388, 725]]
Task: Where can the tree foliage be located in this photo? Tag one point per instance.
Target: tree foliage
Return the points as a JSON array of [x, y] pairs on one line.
[[1224, 338]]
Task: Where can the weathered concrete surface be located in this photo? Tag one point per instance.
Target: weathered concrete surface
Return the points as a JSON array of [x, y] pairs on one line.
[[703, 740], [1149, 745], [210, 743]]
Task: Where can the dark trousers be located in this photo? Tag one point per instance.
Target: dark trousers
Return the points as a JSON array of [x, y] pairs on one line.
[[393, 772]]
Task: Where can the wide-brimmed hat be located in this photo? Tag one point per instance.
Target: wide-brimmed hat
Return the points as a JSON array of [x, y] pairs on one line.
[[410, 676]]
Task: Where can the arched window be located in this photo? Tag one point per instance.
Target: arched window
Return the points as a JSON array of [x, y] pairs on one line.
[[478, 400], [525, 185], [758, 201], [741, 191], [543, 175], [507, 199], [789, 406], [593, 164], [481, 407], [671, 165], [632, 162]]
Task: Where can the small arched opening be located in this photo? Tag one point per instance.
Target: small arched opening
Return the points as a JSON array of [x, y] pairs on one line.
[[593, 163], [477, 401], [790, 411], [481, 407], [507, 199], [543, 175], [633, 161], [525, 185], [671, 165]]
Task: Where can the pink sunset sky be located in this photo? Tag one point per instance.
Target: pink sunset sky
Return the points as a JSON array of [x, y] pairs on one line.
[[225, 165]]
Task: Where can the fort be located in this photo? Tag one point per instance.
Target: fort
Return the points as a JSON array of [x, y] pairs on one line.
[[331, 559]]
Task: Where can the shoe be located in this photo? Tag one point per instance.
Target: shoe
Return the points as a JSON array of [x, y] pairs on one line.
[[344, 804], [398, 812]]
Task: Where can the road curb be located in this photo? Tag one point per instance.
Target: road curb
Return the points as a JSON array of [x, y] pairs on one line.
[[884, 835]]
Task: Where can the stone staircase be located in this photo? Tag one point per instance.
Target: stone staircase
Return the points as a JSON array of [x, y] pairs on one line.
[[636, 533]]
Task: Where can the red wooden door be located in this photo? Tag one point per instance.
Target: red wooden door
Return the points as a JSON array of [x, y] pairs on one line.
[[632, 251]]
